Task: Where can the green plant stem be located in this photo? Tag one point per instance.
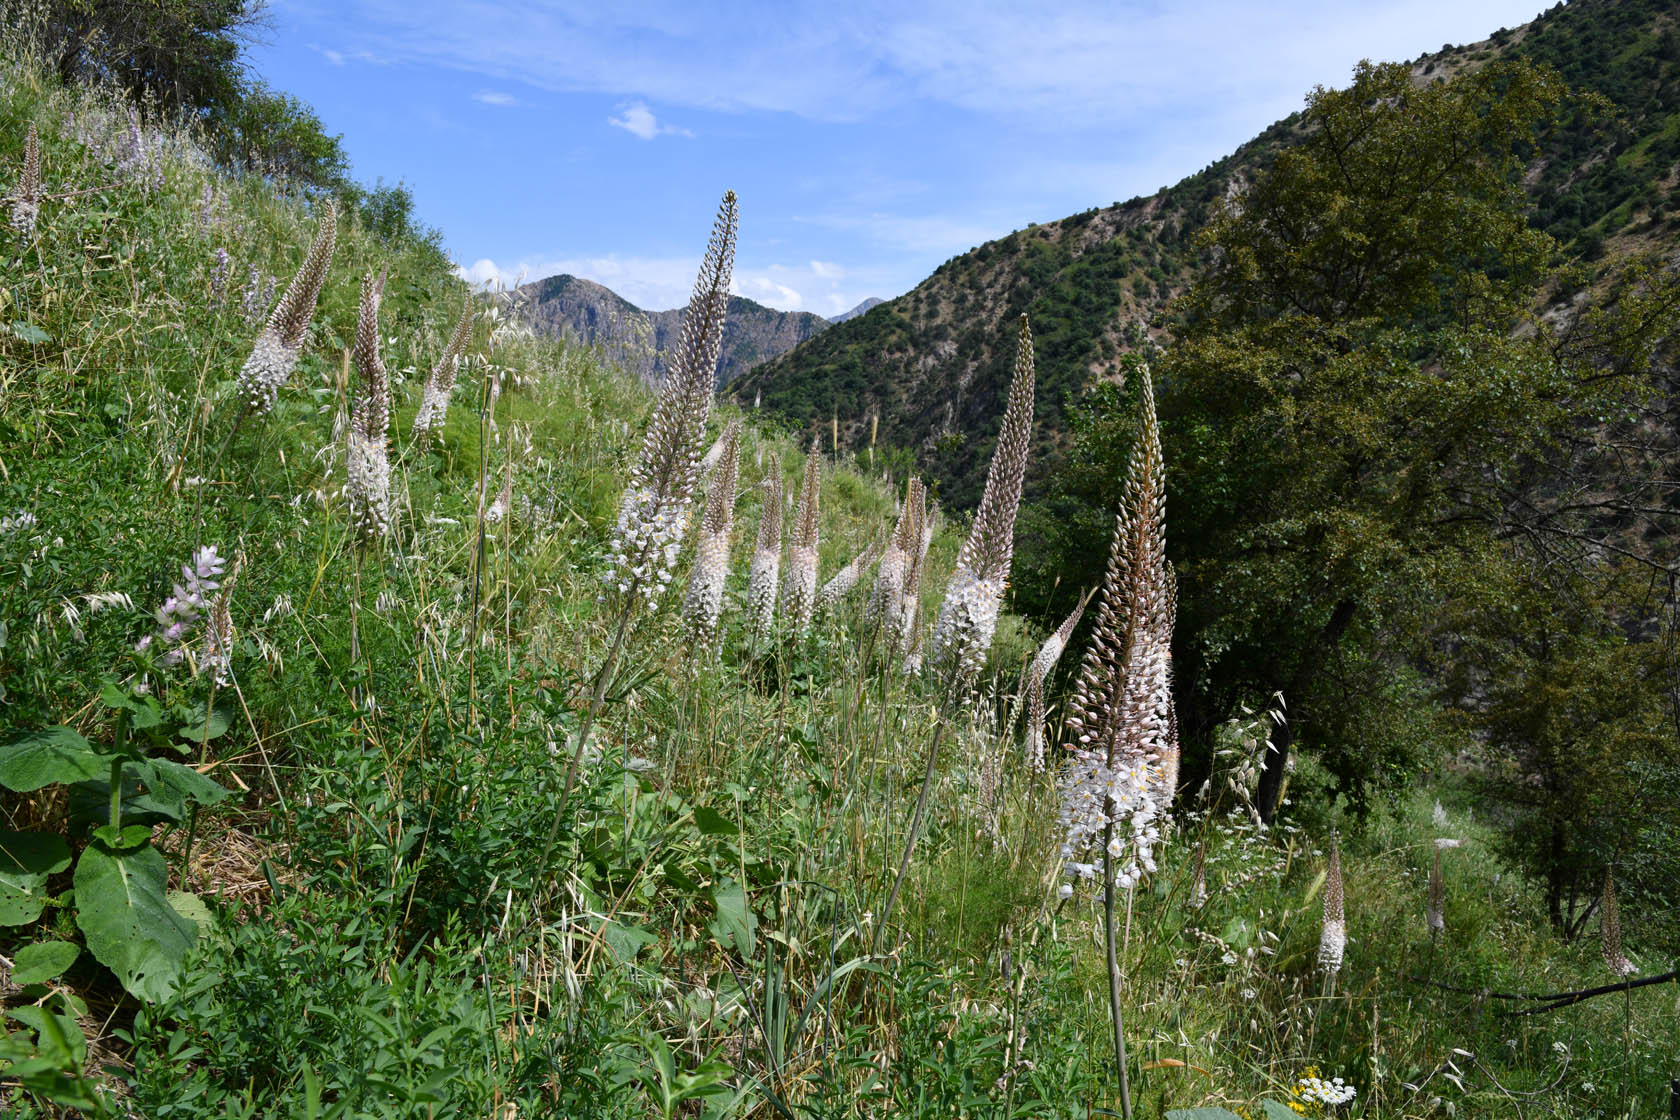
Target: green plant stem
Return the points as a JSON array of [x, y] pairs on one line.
[[916, 823], [1114, 973], [602, 680], [116, 793]]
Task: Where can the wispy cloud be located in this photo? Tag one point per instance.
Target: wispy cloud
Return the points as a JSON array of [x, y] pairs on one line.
[[495, 97], [1087, 63], [638, 120]]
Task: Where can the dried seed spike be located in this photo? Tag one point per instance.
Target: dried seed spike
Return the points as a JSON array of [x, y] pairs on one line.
[[276, 348], [968, 616], [847, 578], [26, 202], [704, 605], [440, 383], [799, 594], [1436, 908], [888, 594], [1332, 941], [367, 456], [291, 316], [1119, 706], [765, 570], [904, 634], [1610, 931], [654, 511]]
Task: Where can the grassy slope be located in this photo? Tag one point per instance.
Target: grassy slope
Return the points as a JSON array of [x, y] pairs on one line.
[[387, 927]]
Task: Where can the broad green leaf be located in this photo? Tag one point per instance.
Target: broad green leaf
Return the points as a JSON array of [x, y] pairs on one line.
[[182, 782], [626, 941], [40, 962], [58, 1039], [26, 859], [57, 754], [1208, 1112], [735, 924], [1276, 1111], [714, 823], [122, 907]]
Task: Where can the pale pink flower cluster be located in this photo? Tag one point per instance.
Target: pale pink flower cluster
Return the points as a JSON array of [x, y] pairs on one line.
[[185, 605]]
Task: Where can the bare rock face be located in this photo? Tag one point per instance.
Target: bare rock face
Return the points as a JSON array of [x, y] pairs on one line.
[[571, 307]]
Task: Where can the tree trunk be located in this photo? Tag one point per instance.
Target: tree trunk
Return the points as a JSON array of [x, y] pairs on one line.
[[1276, 763]]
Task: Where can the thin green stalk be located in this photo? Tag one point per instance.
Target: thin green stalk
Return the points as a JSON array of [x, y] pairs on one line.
[[1114, 973]]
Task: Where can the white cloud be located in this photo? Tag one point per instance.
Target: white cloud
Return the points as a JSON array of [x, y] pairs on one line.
[[495, 97], [334, 57], [662, 283], [828, 271], [638, 120], [1087, 63]]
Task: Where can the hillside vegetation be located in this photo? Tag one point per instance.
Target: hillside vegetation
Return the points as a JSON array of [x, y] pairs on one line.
[[327, 800], [930, 364]]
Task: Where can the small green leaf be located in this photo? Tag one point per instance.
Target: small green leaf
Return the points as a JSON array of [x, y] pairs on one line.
[[29, 332], [735, 923], [123, 910], [125, 837], [714, 823], [1207, 1112], [40, 962], [199, 729], [57, 754], [193, 908], [112, 696]]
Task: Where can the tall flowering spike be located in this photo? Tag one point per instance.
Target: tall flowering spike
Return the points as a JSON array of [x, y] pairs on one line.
[[704, 604], [26, 200], [368, 462], [1119, 705], [847, 578], [1332, 940], [968, 617], [1035, 724], [654, 511], [799, 593], [1610, 931], [276, 348], [902, 634], [440, 383], [765, 571], [1120, 710], [1436, 907], [888, 593], [219, 633], [1051, 651]]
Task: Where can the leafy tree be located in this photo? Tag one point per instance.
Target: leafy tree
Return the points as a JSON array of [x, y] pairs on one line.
[[1359, 405]]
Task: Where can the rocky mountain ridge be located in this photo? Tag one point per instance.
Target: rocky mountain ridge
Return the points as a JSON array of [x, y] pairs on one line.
[[571, 307]]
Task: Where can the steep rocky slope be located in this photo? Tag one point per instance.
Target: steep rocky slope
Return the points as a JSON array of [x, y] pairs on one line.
[[934, 363]]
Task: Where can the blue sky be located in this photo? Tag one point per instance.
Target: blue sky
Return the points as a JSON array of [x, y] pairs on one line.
[[868, 142]]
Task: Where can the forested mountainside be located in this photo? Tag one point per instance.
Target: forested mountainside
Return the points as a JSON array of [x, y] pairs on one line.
[[933, 364], [570, 307]]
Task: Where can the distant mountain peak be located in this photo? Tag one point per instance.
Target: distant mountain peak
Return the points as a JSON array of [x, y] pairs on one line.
[[567, 306], [872, 301]]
